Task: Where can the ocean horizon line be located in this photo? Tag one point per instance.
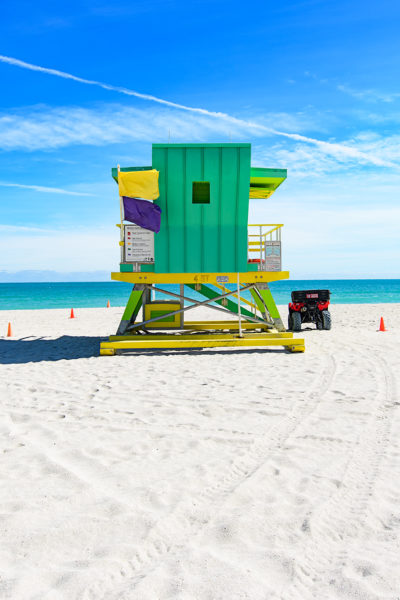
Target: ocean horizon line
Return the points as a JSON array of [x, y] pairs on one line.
[[109, 280], [95, 294]]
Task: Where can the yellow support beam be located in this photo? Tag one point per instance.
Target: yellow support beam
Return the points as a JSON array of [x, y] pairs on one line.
[[210, 278], [147, 343], [212, 325], [107, 351], [218, 327], [203, 336]]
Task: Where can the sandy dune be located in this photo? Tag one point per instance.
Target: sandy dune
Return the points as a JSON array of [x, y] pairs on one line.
[[200, 475]]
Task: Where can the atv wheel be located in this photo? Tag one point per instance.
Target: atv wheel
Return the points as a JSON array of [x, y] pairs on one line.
[[326, 319], [289, 322], [296, 321], [319, 323]]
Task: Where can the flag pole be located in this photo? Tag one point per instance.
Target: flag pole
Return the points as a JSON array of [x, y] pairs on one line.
[[121, 214]]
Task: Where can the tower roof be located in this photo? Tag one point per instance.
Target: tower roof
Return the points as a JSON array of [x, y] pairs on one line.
[[264, 182]]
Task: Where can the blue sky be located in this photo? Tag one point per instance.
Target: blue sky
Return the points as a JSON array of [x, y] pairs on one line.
[[313, 86]]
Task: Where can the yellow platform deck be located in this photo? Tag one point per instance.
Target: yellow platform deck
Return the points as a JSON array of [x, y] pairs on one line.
[[210, 278], [203, 339]]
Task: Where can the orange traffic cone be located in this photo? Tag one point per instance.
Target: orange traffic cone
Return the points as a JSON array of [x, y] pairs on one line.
[[382, 325], [9, 331], [108, 304], [72, 316]]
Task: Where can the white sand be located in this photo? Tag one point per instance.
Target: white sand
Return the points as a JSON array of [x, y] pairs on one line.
[[199, 475]]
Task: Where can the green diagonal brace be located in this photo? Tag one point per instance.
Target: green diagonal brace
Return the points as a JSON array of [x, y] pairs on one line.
[[209, 293], [269, 302], [132, 309], [260, 305]]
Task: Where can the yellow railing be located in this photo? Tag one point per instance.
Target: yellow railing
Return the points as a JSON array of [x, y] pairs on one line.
[[257, 242]]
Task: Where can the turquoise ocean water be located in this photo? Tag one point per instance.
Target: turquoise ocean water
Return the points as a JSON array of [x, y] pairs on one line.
[[80, 295]]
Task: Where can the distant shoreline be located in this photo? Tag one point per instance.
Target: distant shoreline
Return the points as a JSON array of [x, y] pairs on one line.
[[53, 295], [109, 280]]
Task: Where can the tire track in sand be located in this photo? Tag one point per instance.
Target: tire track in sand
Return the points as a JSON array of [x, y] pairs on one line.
[[168, 536], [325, 554]]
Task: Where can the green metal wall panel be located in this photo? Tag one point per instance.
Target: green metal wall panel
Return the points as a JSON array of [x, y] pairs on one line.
[[202, 237], [242, 210], [228, 207], [176, 209], [210, 216], [194, 212], [161, 245]]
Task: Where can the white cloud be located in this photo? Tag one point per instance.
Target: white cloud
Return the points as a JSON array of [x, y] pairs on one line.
[[44, 189], [367, 95], [41, 128], [49, 128], [371, 94], [88, 249], [306, 161], [338, 150], [21, 229]]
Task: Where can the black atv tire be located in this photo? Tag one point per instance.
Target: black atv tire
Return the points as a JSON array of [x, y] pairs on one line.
[[326, 319], [319, 322], [289, 322], [296, 321]]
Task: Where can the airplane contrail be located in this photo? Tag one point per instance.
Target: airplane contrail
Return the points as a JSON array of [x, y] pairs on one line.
[[24, 65], [331, 148]]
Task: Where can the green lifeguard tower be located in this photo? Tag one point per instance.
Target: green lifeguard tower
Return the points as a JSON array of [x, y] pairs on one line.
[[204, 244]]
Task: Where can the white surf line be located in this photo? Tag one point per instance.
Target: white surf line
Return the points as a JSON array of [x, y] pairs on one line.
[[45, 189], [335, 149]]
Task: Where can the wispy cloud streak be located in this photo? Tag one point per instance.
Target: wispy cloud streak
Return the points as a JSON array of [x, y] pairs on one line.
[[373, 95], [340, 151], [122, 90], [368, 95], [23, 229], [44, 189]]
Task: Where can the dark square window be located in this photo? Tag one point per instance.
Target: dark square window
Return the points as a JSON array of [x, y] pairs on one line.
[[201, 192]]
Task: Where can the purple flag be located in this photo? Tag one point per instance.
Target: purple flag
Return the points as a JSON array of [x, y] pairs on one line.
[[142, 213]]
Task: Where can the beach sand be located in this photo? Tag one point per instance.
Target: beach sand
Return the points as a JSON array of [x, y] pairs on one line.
[[202, 475]]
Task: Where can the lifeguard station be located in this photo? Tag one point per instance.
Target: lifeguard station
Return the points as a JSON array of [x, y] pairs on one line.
[[204, 244]]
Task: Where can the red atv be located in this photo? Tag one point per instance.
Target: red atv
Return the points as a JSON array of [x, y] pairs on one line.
[[309, 306]]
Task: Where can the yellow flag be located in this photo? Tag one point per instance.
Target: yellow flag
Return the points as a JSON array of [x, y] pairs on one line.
[[139, 184]]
